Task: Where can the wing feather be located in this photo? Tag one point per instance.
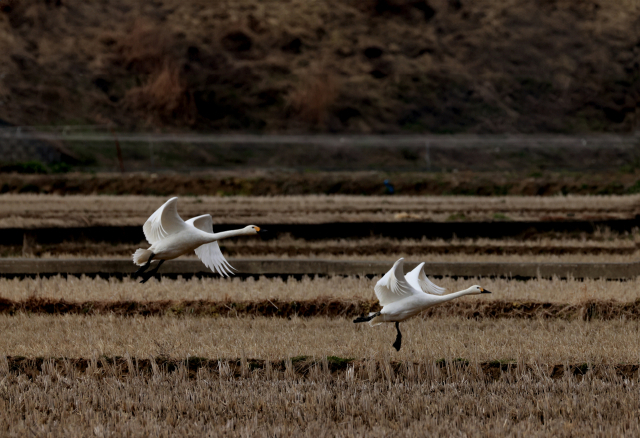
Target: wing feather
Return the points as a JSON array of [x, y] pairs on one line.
[[419, 280], [163, 222], [210, 253], [393, 286]]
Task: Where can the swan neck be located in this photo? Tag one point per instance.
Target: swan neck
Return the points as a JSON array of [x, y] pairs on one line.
[[225, 234], [454, 295]]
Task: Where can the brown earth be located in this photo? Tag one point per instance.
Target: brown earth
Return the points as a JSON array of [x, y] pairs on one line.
[[299, 366], [588, 310], [383, 250], [331, 65], [264, 183]]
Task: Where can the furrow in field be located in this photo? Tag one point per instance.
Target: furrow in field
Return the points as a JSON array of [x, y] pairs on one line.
[[603, 310], [33, 211], [305, 367]]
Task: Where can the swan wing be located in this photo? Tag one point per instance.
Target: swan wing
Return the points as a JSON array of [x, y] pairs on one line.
[[419, 281], [393, 286], [210, 253], [164, 222]]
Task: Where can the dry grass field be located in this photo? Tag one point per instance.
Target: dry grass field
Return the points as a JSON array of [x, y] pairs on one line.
[[73, 289], [317, 376], [424, 341], [560, 368], [33, 211], [372, 403]]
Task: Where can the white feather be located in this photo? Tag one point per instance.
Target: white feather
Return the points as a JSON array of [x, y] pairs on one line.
[[419, 280], [210, 253]]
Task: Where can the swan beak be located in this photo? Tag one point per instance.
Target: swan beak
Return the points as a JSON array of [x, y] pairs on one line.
[[484, 291]]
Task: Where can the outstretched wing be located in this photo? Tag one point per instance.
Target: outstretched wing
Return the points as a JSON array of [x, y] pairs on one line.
[[210, 253], [393, 286], [419, 280], [164, 222]]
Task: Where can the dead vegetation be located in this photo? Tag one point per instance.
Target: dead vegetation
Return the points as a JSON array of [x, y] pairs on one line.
[[350, 290], [372, 399], [525, 341], [494, 309], [36, 211], [271, 183], [605, 245], [312, 100]]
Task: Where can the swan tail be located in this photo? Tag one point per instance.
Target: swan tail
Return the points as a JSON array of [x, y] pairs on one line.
[[377, 320], [141, 256]]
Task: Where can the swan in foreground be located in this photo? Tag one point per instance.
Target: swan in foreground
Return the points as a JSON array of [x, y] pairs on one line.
[[401, 298], [170, 237]]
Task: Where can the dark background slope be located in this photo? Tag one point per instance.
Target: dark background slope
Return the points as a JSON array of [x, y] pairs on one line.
[[335, 66]]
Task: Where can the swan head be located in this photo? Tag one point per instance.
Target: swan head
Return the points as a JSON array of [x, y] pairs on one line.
[[252, 229], [478, 290]]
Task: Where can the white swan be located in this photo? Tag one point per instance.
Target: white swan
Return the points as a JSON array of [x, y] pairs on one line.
[[170, 237], [401, 299]]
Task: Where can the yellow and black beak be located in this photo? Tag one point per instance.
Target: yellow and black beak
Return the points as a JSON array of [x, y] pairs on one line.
[[257, 229], [484, 291]]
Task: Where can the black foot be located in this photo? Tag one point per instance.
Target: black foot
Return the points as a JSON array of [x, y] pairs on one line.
[[151, 273], [398, 343], [366, 318], [143, 267]]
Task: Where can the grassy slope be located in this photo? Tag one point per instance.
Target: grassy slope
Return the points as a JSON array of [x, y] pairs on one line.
[[329, 65]]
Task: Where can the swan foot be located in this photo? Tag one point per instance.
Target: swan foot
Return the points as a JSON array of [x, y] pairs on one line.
[[151, 273], [366, 318], [398, 343]]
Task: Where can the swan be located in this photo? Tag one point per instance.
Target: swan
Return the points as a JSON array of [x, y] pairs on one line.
[[403, 297], [170, 237]]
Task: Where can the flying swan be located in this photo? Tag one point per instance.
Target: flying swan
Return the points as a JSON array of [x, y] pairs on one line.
[[401, 298], [170, 237]]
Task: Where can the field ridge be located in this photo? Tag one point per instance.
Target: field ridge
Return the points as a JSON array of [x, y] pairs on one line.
[[301, 366], [587, 310]]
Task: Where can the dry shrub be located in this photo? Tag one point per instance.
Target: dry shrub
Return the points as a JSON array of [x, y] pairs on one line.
[[312, 100], [145, 48], [164, 95]]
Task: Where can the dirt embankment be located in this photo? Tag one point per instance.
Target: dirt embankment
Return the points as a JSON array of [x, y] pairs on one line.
[[299, 366], [588, 310], [330, 65], [245, 183]]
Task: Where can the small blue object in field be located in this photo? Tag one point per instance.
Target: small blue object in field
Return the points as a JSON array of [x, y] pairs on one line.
[[389, 187]]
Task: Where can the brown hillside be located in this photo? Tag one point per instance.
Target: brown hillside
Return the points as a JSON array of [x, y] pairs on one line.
[[327, 65]]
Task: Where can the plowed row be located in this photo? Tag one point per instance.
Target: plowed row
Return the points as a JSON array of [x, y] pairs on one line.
[[603, 310], [302, 367]]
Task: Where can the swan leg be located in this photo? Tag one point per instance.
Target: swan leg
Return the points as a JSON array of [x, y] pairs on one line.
[[143, 267], [398, 343], [366, 318], [151, 273]]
